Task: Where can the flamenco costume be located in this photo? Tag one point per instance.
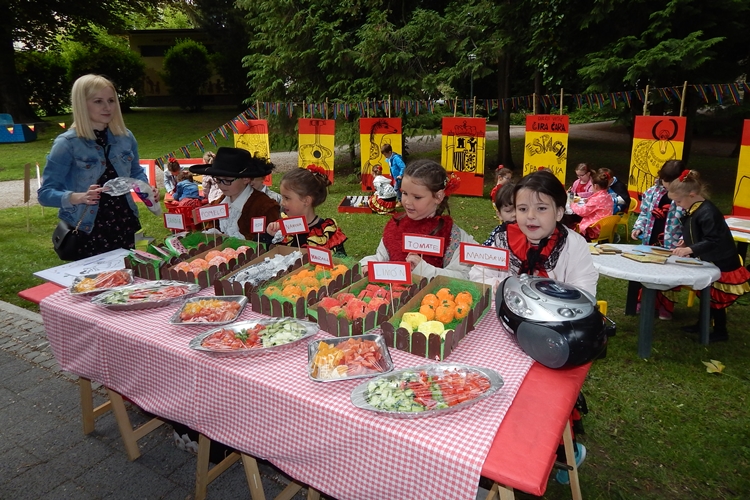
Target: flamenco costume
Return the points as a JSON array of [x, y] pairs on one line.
[[116, 224], [526, 257], [439, 226], [323, 233]]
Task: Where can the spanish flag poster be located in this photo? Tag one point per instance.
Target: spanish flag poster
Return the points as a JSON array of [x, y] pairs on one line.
[[741, 199], [462, 152], [373, 134], [546, 144], [656, 140], [316, 143], [253, 137]]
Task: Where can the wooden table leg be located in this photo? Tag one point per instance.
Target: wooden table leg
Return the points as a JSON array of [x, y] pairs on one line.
[[501, 492], [704, 321], [253, 477], [570, 457], [204, 475], [129, 435], [648, 304], [88, 412]]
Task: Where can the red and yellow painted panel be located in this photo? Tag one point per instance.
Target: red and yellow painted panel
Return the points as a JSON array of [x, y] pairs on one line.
[[463, 146], [546, 144], [316, 143], [741, 199], [373, 133], [254, 138], [656, 140]]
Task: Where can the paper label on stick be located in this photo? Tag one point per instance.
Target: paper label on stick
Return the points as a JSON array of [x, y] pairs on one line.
[[320, 256], [485, 256], [294, 225], [389, 272], [258, 225], [421, 244], [174, 221], [211, 212]]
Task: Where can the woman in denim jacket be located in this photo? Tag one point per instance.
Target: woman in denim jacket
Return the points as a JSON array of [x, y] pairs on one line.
[[97, 148]]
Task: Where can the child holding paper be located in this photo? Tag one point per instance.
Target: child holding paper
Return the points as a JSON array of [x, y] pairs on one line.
[[303, 189], [538, 243], [425, 188]]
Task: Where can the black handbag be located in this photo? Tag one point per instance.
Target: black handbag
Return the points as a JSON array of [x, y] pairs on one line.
[[65, 240]]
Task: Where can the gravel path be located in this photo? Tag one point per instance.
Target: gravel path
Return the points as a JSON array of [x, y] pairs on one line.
[[603, 131]]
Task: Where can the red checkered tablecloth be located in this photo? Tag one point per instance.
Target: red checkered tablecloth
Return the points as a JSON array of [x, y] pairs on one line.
[[266, 405]]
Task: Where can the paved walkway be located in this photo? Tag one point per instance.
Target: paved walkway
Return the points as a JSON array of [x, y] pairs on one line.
[[46, 455]]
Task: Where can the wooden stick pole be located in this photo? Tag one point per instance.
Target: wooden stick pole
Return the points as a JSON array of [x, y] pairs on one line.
[[682, 97], [645, 102], [474, 108], [257, 106], [533, 105], [326, 108], [303, 108], [561, 100], [455, 108], [389, 105], [368, 107]]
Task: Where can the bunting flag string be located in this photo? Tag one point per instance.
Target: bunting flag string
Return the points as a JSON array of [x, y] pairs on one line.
[[716, 89], [702, 92], [734, 92]]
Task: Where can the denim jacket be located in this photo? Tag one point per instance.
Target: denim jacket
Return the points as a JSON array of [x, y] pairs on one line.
[[75, 163]]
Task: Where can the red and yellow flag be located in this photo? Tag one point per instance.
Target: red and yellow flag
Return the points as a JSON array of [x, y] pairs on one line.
[[253, 137], [463, 145], [656, 140], [316, 144], [741, 199], [546, 145], [373, 133]]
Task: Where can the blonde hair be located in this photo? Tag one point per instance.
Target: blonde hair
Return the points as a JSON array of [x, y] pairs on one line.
[[83, 88]]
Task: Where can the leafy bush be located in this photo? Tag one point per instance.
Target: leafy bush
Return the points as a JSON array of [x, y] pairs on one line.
[[44, 79], [186, 69], [121, 65]]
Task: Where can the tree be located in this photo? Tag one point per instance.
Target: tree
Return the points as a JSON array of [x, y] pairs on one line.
[[35, 26], [186, 70]]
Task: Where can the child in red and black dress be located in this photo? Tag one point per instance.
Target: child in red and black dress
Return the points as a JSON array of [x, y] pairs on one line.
[[303, 189], [424, 195], [706, 235]]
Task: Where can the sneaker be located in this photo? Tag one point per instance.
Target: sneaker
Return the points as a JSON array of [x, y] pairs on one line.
[[718, 336], [664, 314], [562, 475]]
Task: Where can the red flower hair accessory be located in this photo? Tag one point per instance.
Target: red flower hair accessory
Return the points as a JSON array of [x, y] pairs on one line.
[[315, 169], [684, 175], [451, 183]]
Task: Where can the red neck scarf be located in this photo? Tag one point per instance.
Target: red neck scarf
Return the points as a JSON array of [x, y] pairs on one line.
[[393, 235], [531, 259]]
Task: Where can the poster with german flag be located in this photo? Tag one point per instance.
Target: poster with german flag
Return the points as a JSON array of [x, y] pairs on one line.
[[253, 137], [462, 152], [741, 199], [656, 140], [546, 144], [373, 134], [316, 143]]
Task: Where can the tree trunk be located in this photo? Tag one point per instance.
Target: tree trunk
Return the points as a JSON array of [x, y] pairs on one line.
[[504, 156], [12, 101], [539, 91]]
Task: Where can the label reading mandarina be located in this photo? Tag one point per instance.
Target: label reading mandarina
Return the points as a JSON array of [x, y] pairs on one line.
[[294, 225], [389, 272], [174, 221], [421, 244], [484, 256], [213, 212]]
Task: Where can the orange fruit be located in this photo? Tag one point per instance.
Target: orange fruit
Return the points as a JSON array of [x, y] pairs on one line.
[[462, 310], [428, 311], [272, 290], [431, 300], [444, 294], [464, 298], [445, 314]]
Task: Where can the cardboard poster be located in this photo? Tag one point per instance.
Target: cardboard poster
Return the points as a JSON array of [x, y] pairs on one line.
[[462, 152], [741, 198], [253, 137], [656, 140], [546, 144], [373, 133], [316, 144]]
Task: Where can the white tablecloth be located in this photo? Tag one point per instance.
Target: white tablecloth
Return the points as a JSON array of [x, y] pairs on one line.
[[656, 276]]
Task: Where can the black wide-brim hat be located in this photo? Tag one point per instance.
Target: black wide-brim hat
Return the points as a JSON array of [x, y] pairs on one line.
[[234, 162]]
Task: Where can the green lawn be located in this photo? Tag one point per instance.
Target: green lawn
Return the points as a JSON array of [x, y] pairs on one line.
[[658, 428]]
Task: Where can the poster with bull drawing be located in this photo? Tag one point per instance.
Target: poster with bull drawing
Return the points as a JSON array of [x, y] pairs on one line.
[[656, 140], [546, 144], [373, 134], [463, 145], [741, 198], [316, 144]]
